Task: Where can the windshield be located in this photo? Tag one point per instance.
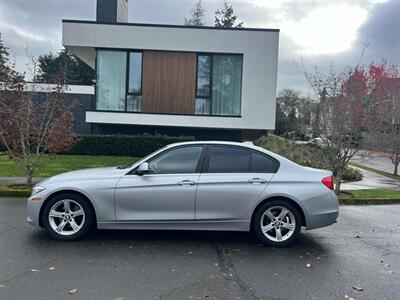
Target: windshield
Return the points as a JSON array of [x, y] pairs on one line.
[[142, 159]]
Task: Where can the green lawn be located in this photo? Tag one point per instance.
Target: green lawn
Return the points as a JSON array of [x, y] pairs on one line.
[[52, 165], [380, 172], [378, 194]]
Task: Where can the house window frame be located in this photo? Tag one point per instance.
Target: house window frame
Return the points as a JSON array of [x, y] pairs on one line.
[[127, 73], [127, 93], [210, 92], [197, 96]]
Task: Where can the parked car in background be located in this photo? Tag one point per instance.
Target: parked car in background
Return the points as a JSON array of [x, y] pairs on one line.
[[191, 186], [318, 142]]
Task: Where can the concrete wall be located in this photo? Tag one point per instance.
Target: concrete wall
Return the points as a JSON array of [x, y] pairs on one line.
[[83, 95], [84, 103]]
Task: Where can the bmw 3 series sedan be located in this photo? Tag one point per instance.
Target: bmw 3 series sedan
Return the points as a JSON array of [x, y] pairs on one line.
[[190, 186]]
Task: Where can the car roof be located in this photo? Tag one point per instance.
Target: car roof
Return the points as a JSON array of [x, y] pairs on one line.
[[244, 144]]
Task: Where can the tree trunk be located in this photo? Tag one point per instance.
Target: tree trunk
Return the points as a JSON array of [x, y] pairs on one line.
[[338, 180], [29, 175], [396, 165]]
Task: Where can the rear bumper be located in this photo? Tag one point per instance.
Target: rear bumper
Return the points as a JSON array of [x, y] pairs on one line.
[[322, 220], [322, 211]]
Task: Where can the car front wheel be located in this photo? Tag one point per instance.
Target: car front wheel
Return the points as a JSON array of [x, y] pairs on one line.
[[67, 217], [277, 223]]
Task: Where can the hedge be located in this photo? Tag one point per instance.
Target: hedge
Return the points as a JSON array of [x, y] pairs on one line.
[[124, 145]]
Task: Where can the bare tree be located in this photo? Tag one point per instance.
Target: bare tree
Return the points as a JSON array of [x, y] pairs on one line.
[[342, 114], [30, 128]]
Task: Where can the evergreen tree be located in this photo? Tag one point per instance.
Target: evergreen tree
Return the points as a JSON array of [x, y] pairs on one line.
[[225, 17], [197, 14], [74, 70], [3, 57]]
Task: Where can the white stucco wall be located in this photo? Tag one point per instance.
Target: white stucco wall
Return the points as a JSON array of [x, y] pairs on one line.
[[260, 59]]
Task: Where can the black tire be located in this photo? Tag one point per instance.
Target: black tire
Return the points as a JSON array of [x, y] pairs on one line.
[[87, 223], [258, 218]]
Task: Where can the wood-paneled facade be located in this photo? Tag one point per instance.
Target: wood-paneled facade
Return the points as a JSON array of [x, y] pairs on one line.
[[169, 82]]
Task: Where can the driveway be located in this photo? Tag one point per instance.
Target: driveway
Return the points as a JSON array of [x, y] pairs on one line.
[[361, 250], [372, 180]]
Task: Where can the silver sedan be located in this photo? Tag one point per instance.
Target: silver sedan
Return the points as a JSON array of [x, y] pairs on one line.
[[190, 186]]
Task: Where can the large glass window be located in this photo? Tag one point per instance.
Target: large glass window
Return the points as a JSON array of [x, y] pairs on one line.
[[226, 85], [135, 73], [203, 75], [134, 97], [111, 80], [219, 84], [114, 91], [176, 161], [203, 102]]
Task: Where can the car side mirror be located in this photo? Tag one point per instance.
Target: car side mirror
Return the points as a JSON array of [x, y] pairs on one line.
[[143, 168]]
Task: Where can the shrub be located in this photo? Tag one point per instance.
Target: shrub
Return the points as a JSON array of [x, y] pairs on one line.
[[351, 174], [123, 145]]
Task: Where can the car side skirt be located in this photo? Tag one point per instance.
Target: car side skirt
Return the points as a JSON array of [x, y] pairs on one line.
[[242, 225]]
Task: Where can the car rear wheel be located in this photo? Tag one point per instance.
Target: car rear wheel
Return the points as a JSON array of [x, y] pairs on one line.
[[67, 217], [277, 223]]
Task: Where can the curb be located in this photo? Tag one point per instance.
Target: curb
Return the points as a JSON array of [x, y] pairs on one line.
[[15, 193], [368, 201]]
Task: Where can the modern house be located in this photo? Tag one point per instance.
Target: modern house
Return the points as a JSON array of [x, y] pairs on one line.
[[202, 81]]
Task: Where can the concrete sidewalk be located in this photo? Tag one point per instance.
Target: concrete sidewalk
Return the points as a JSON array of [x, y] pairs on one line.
[[372, 180], [35, 180]]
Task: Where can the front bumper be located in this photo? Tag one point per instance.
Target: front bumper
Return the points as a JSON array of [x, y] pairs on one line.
[[34, 207]]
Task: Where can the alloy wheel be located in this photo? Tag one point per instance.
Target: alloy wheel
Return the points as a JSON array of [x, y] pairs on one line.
[[66, 217], [278, 224]]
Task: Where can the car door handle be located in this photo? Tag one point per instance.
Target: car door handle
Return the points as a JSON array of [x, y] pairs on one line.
[[186, 182], [257, 180]]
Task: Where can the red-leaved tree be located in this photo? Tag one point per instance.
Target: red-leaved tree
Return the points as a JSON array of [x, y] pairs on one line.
[[30, 127], [384, 111]]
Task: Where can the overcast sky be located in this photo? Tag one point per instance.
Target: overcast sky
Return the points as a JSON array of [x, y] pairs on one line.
[[320, 32]]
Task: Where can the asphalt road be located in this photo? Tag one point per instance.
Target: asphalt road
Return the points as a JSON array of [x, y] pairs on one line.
[[361, 250], [375, 160]]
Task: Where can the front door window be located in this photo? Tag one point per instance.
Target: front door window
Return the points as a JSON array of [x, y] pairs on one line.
[[176, 161]]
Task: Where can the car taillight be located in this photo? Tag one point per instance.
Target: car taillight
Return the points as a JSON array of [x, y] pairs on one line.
[[328, 182]]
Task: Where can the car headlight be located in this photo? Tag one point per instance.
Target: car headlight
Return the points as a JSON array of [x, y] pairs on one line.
[[37, 189]]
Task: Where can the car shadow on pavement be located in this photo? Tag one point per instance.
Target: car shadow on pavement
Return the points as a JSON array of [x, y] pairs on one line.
[[230, 241]]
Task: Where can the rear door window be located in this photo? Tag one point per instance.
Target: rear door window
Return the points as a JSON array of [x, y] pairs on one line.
[[231, 159], [262, 164]]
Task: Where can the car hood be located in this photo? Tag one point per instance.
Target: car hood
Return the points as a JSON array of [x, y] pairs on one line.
[[93, 173]]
